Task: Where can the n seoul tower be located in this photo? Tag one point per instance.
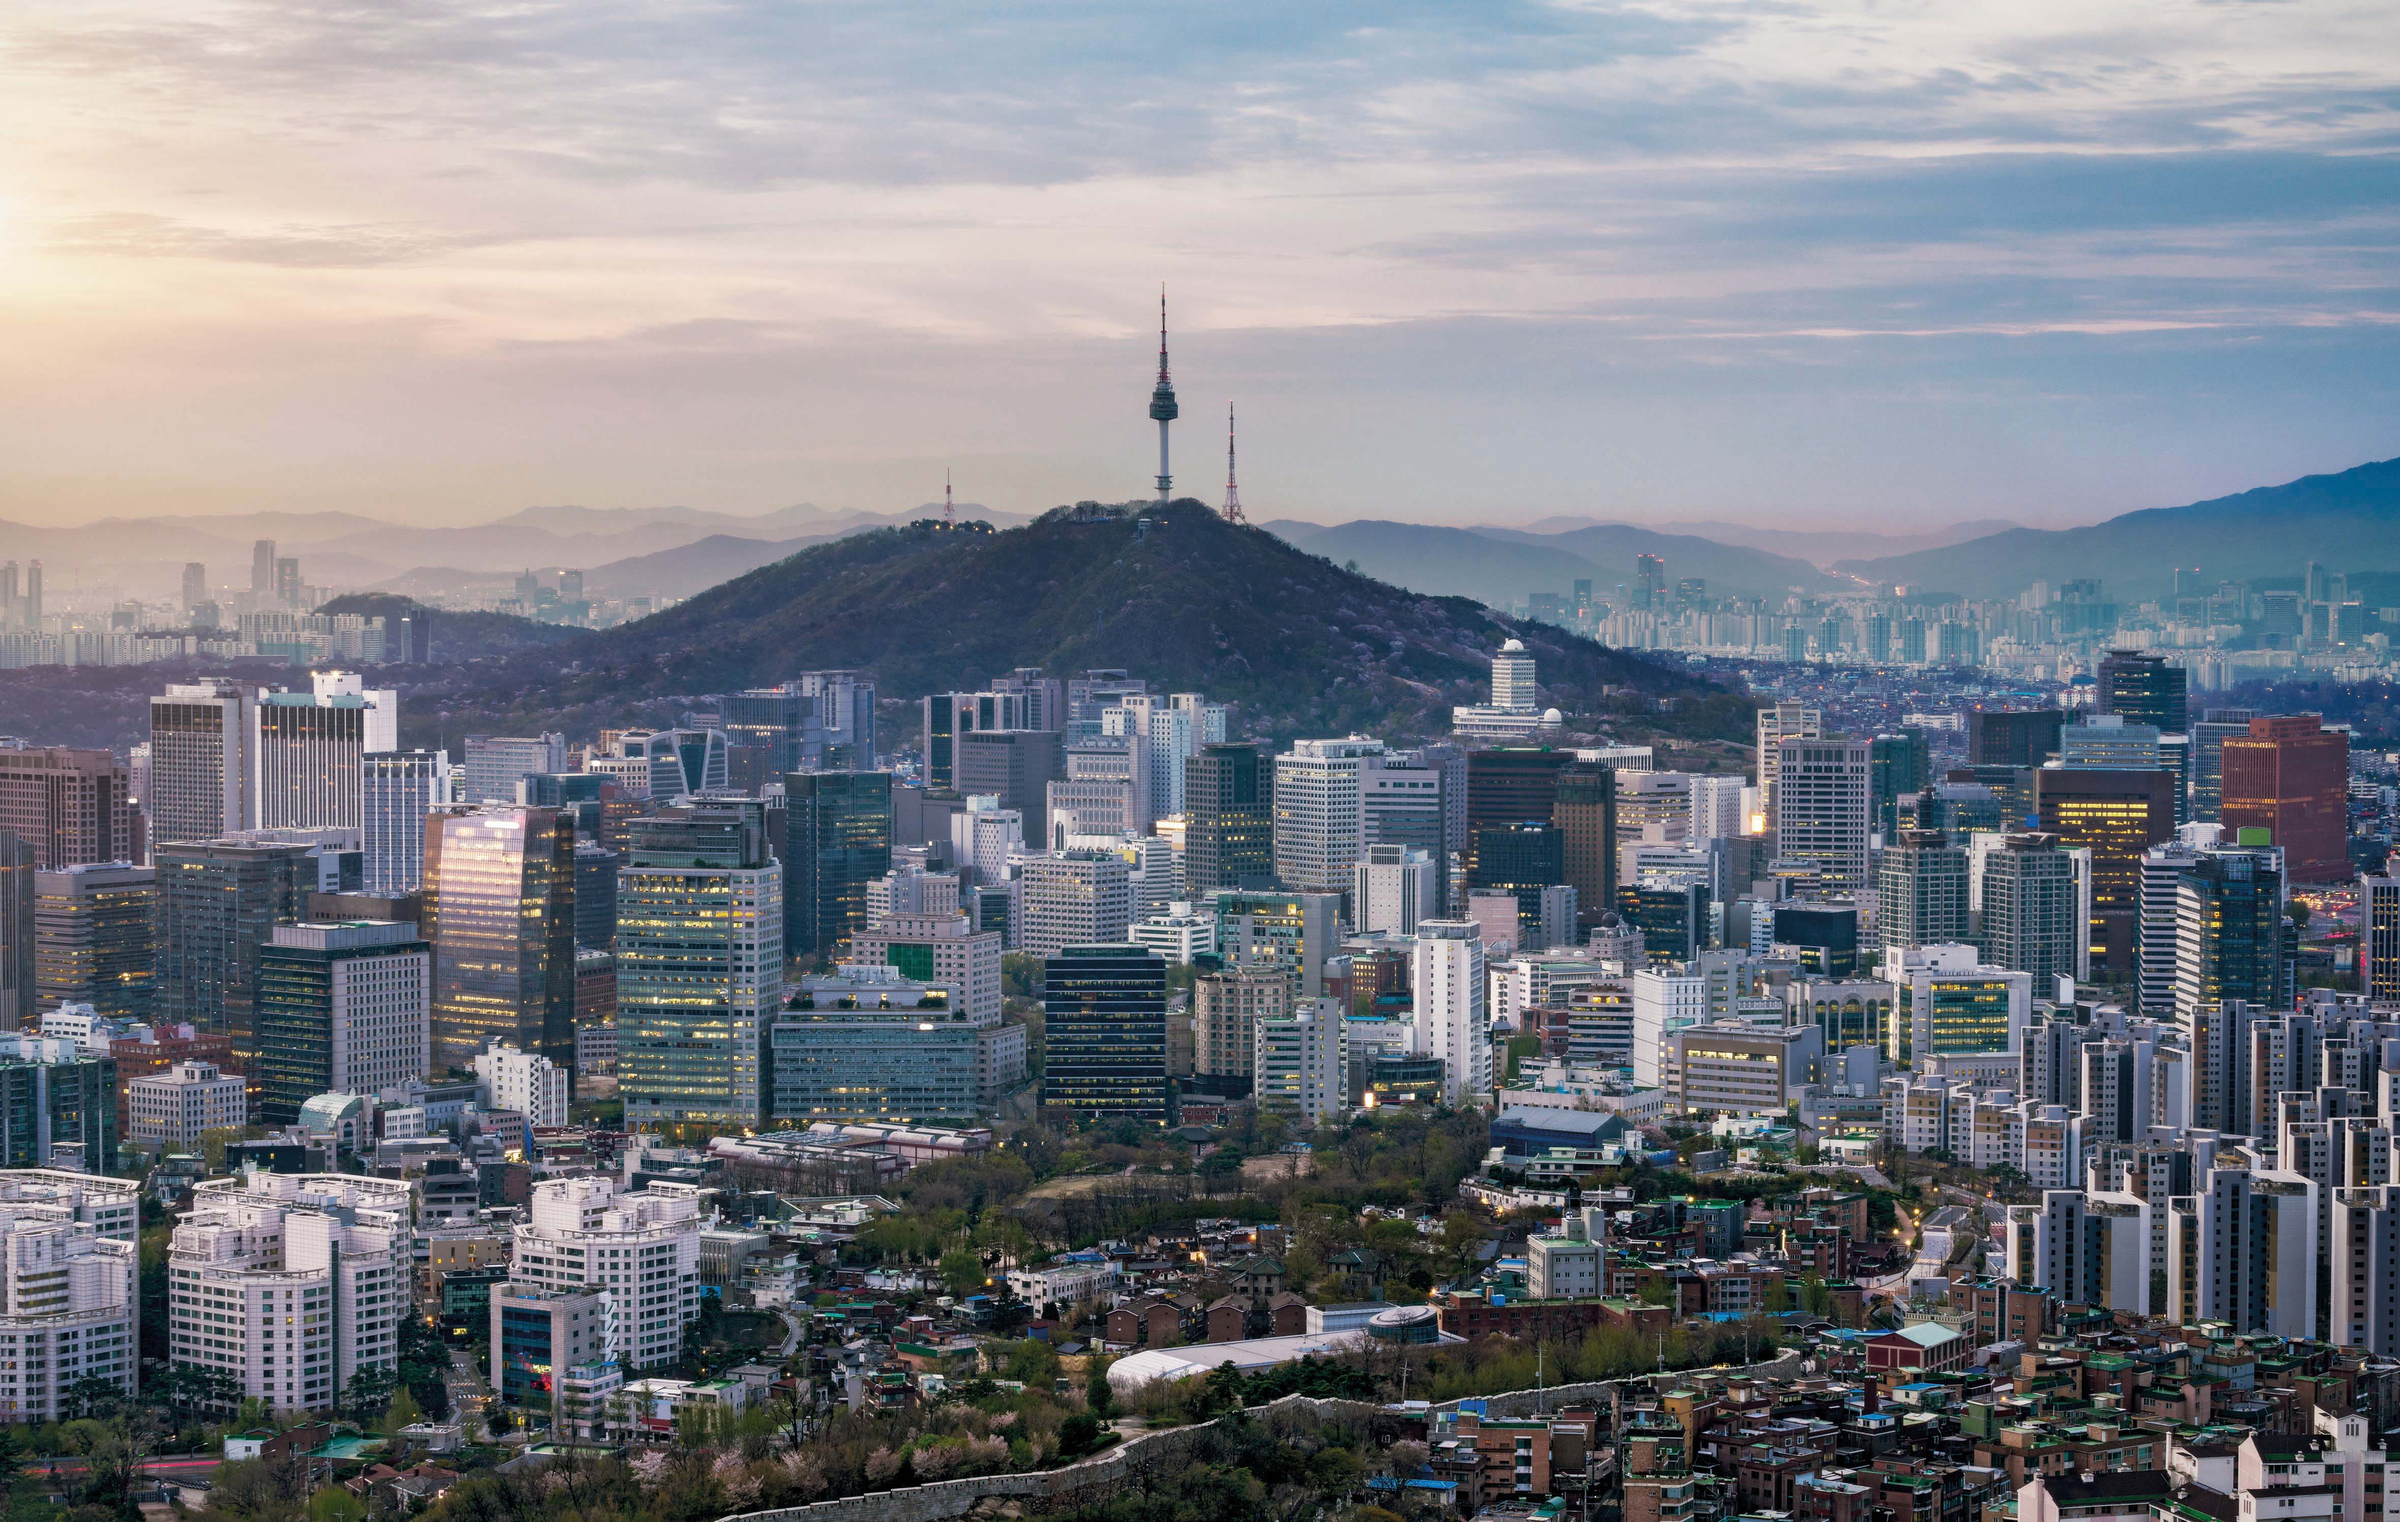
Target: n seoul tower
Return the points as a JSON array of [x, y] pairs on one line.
[[1162, 400]]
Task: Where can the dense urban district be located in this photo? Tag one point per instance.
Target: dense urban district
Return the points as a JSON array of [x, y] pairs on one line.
[[979, 1022]]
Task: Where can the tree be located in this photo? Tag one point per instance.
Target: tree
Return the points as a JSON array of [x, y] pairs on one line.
[[1096, 1391], [1078, 1435], [90, 1396], [12, 1455], [962, 1272], [404, 1411]]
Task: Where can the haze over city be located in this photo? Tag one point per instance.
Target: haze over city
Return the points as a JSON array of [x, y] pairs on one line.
[[1817, 266]]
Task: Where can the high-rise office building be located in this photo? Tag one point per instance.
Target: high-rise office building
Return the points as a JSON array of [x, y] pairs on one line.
[[846, 708], [2013, 737], [699, 967], [2117, 816], [2209, 734], [1292, 933], [660, 766], [1392, 888], [73, 1315], [309, 754], [495, 763], [201, 762], [1586, 816], [1446, 985], [342, 1009], [595, 894], [1820, 811], [1509, 784], [500, 911], [1527, 859], [1229, 827], [1898, 765], [1320, 819], [1954, 1004], [2106, 742], [526, 1082], [1105, 1019], [2143, 688], [780, 723], [2229, 926], [1072, 898], [1168, 740], [291, 1284], [2290, 776], [837, 840], [2033, 916], [1921, 890], [219, 902], [195, 585], [92, 938], [1297, 1068], [1016, 766], [2378, 934], [397, 790], [17, 898], [69, 806], [1102, 791], [1776, 723], [262, 568]]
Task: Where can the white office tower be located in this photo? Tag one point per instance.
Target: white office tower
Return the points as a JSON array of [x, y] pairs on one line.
[[639, 1249], [1167, 740], [1106, 790], [2242, 1249], [1073, 898], [378, 1000], [527, 1082], [1319, 821], [1297, 1061], [70, 1310], [1513, 689], [171, 1111], [291, 1283], [1822, 809], [2379, 937], [310, 752], [2162, 868], [202, 736], [1446, 976], [1958, 1008], [2365, 1242], [397, 790], [1655, 806], [1777, 723], [1151, 878], [382, 705], [665, 764], [984, 836], [910, 890], [495, 764], [1391, 889], [1716, 804], [1663, 1003], [2085, 1249]]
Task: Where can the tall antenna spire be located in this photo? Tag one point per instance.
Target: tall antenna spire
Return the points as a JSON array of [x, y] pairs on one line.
[[1162, 401], [1233, 495], [949, 517]]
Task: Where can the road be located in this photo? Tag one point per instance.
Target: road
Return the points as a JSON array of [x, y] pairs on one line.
[[792, 1330], [466, 1386], [173, 1465]]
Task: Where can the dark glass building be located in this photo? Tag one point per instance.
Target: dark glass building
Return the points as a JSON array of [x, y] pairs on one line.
[[1105, 1012], [1523, 859], [837, 839], [1586, 816], [1229, 820], [2144, 689], [46, 1104], [16, 933], [219, 901], [1897, 764], [2013, 737], [2119, 815], [1673, 921], [1509, 785], [1825, 934], [500, 911]]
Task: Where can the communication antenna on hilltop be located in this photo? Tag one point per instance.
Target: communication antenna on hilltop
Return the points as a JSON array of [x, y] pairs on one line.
[[1233, 495], [949, 515], [1162, 402]]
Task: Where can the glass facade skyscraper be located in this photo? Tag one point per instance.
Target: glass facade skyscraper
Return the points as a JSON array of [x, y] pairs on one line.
[[837, 839], [500, 911], [700, 918], [1105, 1011], [1229, 826]]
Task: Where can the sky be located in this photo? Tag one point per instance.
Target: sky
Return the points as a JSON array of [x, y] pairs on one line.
[[1812, 263]]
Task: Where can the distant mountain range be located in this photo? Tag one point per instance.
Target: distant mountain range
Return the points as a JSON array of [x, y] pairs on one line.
[[2350, 521], [1193, 603], [1501, 566], [351, 550]]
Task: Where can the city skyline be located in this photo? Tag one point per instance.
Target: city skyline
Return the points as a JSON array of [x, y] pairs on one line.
[[436, 267]]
